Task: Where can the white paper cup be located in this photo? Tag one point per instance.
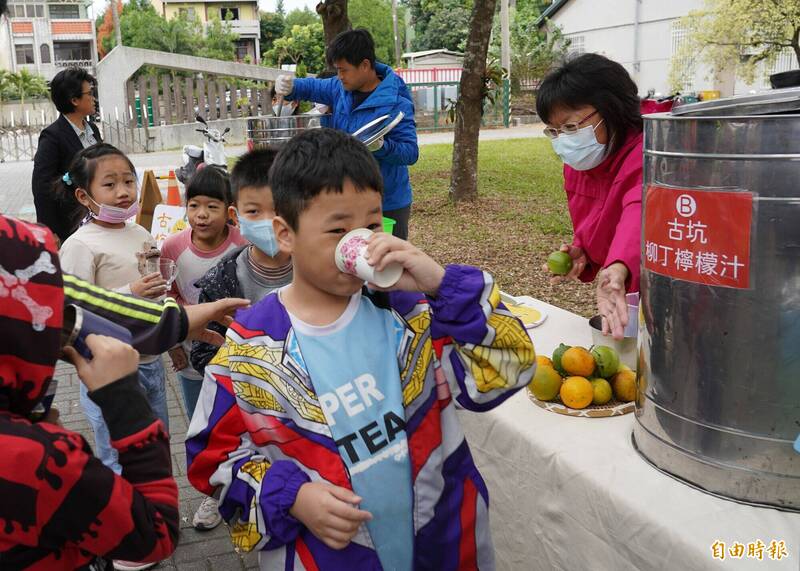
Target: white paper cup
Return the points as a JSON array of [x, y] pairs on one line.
[[632, 329], [351, 259]]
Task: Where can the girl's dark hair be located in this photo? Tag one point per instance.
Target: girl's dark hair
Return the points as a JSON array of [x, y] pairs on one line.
[[210, 182], [80, 175], [592, 79], [68, 85]]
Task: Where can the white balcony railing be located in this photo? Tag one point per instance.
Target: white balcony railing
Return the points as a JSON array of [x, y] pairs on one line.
[[87, 63], [245, 27]]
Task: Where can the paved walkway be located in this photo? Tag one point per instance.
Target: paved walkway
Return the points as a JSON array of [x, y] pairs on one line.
[[210, 550]]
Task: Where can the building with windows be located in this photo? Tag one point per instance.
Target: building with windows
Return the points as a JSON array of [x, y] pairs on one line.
[[45, 36], [241, 15], [644, 35]]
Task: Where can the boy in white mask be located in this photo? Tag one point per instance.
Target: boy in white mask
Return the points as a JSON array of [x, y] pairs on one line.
[[253, 271]]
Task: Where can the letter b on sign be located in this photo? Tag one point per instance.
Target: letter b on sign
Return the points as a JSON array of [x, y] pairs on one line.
[[686, 205]]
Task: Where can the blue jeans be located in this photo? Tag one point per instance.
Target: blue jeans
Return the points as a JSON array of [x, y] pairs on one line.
[[191, 392], [152, 379]]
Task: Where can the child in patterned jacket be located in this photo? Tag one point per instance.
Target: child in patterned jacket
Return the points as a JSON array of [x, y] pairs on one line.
[[327, 423]]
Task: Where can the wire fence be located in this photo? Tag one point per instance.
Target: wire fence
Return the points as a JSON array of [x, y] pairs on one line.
[[434, 100], [19, 143]]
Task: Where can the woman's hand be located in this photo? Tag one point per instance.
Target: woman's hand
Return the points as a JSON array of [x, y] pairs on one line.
[[579, 262], [420, 271], [611, 299], [152, 286]]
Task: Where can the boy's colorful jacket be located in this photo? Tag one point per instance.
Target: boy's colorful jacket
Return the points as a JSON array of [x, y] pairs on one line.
[[259, 432]]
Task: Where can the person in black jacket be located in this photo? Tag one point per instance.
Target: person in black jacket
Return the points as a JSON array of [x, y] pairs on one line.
[[72, 91]]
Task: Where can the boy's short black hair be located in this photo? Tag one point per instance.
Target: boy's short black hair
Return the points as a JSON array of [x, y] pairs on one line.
[[592, 79], [210, 182], [316, 161], [252, 169], [353, 46], [68, 85]]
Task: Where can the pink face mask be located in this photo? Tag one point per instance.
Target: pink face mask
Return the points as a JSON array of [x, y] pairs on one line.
[[113, 214]]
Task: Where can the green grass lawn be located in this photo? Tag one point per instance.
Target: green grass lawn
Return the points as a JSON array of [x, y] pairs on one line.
[[519, 217]]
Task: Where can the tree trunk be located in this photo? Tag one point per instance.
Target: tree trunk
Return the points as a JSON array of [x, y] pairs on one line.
[[334, 18], [464, 175], [398, 55], [796, 45]]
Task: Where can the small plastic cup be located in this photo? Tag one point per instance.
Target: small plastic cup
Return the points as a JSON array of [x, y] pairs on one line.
[[632, 329], [351, 259], [388, 225]]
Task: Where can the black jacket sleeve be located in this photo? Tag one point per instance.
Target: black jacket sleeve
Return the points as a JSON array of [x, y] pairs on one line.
[[156, 326], [46, 165]]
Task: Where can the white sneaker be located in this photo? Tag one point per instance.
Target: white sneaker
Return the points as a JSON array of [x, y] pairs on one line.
[[120, 565], [207, 515]]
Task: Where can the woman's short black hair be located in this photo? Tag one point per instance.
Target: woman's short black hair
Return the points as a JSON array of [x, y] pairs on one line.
[[68, 85], [210, 182], [353, 46], [317, 161], [592, 79]]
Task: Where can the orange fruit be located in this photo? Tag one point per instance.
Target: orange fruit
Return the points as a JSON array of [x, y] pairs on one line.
[[578, 361], [559, 263], [576, 392], [546, 383], [602, 391], [624, 385], [544, 361], [607, 360], [560, 350]]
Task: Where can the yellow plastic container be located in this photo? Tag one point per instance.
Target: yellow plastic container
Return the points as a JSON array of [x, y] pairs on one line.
[[709, 94]]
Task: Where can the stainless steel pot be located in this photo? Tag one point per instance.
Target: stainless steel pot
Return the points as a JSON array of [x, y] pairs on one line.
[[719, 368]]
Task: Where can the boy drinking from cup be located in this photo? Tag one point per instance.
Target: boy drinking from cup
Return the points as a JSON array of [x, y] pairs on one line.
[[327, 423]]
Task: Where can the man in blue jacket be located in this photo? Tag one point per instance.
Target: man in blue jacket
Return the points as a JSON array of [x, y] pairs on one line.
[[362, 91]]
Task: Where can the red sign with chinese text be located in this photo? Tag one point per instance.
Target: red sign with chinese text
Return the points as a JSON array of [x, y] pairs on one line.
[[700, 236]]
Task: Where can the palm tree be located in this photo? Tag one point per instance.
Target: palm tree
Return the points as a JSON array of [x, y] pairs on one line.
[[28, 84], [5, 85]]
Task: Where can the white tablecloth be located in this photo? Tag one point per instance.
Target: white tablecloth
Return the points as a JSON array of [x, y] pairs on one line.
[[572, 493]]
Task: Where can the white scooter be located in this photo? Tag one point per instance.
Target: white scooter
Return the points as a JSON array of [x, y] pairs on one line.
[[212, 153]]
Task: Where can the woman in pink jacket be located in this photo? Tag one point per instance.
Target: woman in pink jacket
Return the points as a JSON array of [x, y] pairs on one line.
[[591, 108]]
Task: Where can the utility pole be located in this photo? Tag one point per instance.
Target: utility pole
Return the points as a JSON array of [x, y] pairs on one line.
[[505, 40], [397, 53], [115, 17]]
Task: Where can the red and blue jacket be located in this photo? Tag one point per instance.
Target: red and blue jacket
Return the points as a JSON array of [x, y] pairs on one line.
[[259, 433]]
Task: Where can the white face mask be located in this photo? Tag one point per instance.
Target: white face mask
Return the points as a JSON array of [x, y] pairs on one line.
[[285, 112], [580, 150]]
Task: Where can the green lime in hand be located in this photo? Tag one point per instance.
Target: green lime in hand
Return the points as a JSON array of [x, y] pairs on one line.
[[560, 263]]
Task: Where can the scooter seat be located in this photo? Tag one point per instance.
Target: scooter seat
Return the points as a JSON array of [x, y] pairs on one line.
[[193, 151]]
